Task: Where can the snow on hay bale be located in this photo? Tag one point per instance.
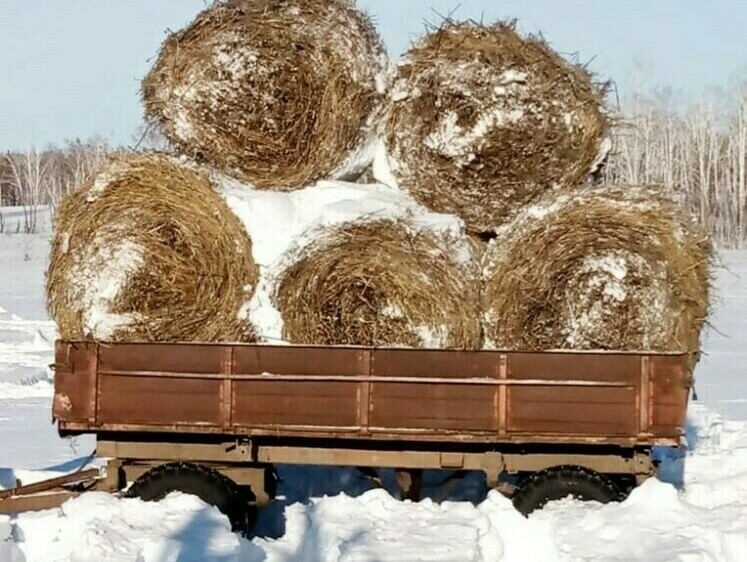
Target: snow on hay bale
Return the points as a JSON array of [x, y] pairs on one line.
[[383, 282], [278, 93], [481, 121], [618, 268], [147, 250]]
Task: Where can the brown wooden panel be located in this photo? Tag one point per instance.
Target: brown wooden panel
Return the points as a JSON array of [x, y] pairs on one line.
[[293, 360], [670, 391], [434, 363], [74, 382], [607, 367], [612, 411], [158, 400], [460, 410], [175, 358], [573, 394], [433, 406], [295, 403]]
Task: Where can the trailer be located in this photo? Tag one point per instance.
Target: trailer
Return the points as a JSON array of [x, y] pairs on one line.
[[216, 419]]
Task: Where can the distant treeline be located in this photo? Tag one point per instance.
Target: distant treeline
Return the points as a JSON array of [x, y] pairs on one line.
[[33, 178], [43, 177], [699, 156]]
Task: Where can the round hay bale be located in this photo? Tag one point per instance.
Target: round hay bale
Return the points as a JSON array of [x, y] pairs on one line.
[[278, 93], [619, 268], [146, 250], [482, 121], [382, 283]]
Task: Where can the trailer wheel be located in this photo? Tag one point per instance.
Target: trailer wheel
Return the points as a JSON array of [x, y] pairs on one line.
[[204, 482], [560, 482]]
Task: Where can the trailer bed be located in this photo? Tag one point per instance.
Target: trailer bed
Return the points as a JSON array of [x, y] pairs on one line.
[[375, 394]]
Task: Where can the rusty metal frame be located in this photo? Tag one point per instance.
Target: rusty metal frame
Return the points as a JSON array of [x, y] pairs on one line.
[[232, 451], [93, 370], [645, 395], [248, 454], [504, 376], [353, 432], [502, 395]]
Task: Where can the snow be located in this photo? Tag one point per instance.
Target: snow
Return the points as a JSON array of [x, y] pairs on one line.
[[698, 511], [604, 150], [98, 527], [382, 168], [282, 223], [511, 76], [451, 139], [103, 179], [98, 276], [604, 284]]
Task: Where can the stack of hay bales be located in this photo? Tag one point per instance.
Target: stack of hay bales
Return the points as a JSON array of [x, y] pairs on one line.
[[495, 132], [276, 94]]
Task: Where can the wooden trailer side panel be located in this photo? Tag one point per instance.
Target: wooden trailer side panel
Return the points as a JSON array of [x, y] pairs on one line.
[[603, 403], [481, 396], [307, 400], [430, 405]]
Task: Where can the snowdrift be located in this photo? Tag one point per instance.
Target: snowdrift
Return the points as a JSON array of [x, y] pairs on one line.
[[384, 282], [481, 121], [147, 250], [277, 94], [617, 268]]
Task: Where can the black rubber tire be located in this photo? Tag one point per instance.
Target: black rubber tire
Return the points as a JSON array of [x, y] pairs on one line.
[[560, 482], [202, 481]]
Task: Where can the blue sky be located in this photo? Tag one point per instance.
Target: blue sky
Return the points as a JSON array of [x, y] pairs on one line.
[[71, 68]]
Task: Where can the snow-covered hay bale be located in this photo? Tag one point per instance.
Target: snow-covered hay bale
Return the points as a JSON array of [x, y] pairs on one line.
[[278, 93], [482, 121], [382, 282], [618, 268], [147, 250]]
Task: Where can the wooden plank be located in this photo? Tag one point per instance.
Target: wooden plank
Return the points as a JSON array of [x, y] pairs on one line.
[[617, 368], [432, 406], [186, 358], [159, 400], [302, 403], [300, 360], [431, 363], [37, 502], [592, 419], [51, 483]]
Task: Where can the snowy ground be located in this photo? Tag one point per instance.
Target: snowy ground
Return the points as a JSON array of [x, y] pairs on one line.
[[331, 515]]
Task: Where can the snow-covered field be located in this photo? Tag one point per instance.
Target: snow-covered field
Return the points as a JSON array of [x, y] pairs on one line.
[[700, 514]]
